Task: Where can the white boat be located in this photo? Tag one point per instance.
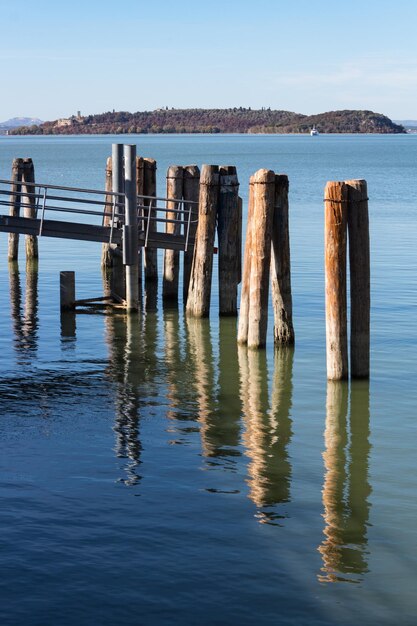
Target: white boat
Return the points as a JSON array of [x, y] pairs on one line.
[[314, 131]]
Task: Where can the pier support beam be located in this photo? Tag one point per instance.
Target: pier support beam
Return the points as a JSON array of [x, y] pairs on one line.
[[229, 238], [149, 189], [28, 180], [198, 302], [281, 266], [360, 280], [335, 231], [190, 192], [175, 179], [253, 319], [15, 203]]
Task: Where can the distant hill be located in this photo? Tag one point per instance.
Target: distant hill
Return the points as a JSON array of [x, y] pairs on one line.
[[15, 122], [236, 120]]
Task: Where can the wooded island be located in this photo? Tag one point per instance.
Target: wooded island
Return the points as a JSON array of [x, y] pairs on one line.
[[235, 120]]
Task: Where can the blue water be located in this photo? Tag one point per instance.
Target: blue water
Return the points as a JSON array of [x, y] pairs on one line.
[[152, 473]]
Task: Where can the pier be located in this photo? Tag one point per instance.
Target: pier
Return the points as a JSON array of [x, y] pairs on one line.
[[202, 208]]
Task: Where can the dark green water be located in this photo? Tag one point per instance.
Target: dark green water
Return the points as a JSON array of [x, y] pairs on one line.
[[153, 473]]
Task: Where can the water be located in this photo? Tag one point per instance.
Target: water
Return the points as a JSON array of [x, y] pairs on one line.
[[152, 473]]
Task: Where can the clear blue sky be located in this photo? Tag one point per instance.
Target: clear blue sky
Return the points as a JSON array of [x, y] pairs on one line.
[[299, 55]]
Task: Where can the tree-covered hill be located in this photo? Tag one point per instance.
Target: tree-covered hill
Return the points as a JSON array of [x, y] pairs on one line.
[[236, 120]]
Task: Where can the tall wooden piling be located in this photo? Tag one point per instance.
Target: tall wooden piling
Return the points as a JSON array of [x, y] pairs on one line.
[[229, 239], [175, 178], [263, 214], [242, 335], [198, 302], [255, 288], [359, 262], [106, 256], [281, 266], [15, 203], [29, 201], [190, 192], [149, 190], [335, 220]]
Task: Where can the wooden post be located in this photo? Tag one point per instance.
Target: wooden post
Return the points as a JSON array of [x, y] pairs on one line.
[[281, 266], [149, 189], [67, 290], [190, 192], [140, 183], [198, 302], [239, 246], [175, 178], [242, 335], [29, 201], [263, 215], [228, 224], [15, 203], [106, 255], [335, 220], [359, 261]]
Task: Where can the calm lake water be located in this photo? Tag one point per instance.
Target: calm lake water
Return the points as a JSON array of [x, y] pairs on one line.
[[153, 473]]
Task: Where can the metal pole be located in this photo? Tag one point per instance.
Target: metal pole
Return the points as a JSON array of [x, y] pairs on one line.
[[130, 230], [117, 167]]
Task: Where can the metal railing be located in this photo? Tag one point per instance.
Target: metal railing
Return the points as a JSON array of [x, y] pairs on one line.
[[36, 200]]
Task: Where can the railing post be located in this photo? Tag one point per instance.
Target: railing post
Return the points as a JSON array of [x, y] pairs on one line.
[[130, 230]]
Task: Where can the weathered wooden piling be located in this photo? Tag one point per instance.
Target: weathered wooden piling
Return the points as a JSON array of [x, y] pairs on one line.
[[281, 266], [242, 335], [263, 214], [175, 179], [106, 256], [67, 290], [229, 240], [149, 190], [191, 190], [255, 298], [198, 301], [359, 262], [15, 203], [335, 229], [29, 202]]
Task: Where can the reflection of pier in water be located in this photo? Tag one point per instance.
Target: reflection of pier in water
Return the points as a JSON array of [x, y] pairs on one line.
[[25, 321], [124, 341], [215, 382], [346, 486], [267, 429]]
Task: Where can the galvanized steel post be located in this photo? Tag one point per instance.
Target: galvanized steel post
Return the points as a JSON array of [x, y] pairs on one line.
[[130, 230]]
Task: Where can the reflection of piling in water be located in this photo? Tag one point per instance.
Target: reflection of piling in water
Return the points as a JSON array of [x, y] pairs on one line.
[[30, 319], [25, 323], [222, 425], [268, 429], [172, 359], [123, 338], [201, 353], [359, 487], [345, 514]]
